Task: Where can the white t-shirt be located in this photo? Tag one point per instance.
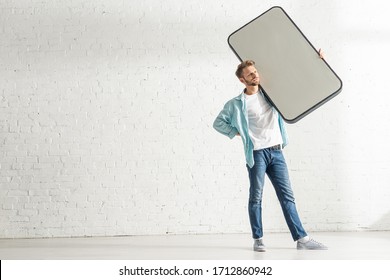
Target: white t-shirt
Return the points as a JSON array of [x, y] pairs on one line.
[[263, 121]]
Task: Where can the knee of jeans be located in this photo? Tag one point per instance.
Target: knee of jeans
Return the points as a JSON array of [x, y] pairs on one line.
[[286, 196], [255, 199], [288, 199]]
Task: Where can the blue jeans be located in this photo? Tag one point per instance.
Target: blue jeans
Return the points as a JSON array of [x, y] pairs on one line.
[[271, 162]]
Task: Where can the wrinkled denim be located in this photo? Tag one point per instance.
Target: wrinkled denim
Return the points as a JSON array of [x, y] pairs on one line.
[[271, 162]]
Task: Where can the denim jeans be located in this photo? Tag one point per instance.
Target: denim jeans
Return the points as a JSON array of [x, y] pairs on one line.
[[271, 162]]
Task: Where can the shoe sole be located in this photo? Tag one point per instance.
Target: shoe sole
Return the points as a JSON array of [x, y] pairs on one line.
[[259, 250], [312, 249]]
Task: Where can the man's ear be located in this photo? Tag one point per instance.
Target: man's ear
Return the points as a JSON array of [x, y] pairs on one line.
[[242, 80]]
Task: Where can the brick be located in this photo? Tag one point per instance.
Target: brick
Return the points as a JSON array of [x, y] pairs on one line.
[[107, 110]]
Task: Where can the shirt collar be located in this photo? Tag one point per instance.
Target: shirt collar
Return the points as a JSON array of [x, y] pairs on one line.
[[242, 95]]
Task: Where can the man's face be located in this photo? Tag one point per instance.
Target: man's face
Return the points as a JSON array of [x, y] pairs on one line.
[[250, 77]]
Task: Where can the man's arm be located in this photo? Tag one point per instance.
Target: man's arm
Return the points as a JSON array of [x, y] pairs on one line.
[[222, 123]]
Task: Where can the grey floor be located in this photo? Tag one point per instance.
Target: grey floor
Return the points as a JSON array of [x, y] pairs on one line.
[[342, 246]]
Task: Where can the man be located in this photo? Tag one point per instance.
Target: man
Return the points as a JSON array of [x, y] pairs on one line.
[[263, 134]]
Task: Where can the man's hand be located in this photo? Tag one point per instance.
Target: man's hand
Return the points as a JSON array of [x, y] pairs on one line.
[[321, 53]]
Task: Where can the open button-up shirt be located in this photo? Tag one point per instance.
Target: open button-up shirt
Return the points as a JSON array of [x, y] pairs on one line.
[[233, 119]]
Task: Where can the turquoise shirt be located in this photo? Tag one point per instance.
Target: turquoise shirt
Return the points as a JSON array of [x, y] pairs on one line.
[[233, 119]]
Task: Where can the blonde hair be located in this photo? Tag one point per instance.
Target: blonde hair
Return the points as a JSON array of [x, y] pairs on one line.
[[242, 66]]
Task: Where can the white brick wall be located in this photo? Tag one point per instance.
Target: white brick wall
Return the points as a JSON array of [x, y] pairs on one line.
[[106, 114]]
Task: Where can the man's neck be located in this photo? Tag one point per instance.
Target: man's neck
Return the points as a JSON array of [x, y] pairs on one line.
[[251, 90]]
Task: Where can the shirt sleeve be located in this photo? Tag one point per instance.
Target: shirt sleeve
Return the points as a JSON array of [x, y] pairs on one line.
[[223, 124]]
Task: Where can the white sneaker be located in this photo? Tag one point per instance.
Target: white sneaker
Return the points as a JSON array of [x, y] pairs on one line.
[[258, 245], [311, 244]]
